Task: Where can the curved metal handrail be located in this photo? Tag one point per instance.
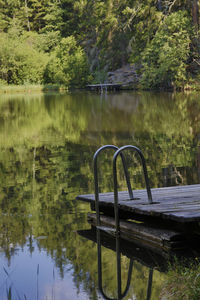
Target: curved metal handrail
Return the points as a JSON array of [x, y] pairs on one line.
[[119, 151], [96, 183]]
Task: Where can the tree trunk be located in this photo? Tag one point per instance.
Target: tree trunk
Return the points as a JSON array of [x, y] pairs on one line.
[[26, 10], [159, 5], [195, 13]]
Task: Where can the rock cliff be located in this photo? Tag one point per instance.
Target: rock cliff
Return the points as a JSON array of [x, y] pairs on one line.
[[127, 76]]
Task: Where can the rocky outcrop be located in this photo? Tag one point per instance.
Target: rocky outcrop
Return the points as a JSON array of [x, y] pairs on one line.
[[127, 76]]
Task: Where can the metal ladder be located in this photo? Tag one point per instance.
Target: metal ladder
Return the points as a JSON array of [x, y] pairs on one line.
[[116, 231], [118, 152]]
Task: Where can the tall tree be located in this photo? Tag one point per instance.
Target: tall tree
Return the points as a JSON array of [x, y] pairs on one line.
[[195, 13], [27, 14], [9, 13], [71, 17]]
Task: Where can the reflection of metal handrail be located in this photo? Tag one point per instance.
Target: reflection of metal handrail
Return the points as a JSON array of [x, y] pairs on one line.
[[119, 294], [149, 287], [96, 177], [116, 208]]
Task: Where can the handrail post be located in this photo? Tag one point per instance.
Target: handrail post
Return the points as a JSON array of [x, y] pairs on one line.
[[119, 151], [116, 208], [96, 183]]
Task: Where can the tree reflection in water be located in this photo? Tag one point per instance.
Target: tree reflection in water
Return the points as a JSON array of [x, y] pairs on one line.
[[46, 148]]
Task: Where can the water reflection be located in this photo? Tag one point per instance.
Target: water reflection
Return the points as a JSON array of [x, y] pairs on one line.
[[129, 254], [120, 294], [46, 148], [35, 276]]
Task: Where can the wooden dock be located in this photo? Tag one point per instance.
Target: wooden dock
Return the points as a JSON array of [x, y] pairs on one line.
[[104, 86], [178, 203], [170, 223], [146, 235]]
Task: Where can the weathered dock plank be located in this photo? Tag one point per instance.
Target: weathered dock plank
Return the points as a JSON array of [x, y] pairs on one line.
[[179, 203], [148, 236]]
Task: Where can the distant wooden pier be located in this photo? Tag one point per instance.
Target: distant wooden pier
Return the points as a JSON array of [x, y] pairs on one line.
[[169, 222], [104, 86]]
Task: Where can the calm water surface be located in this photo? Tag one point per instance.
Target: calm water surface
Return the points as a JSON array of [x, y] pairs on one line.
[[47, 143]]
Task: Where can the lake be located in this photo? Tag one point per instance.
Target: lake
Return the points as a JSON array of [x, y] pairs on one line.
[[47, 142]]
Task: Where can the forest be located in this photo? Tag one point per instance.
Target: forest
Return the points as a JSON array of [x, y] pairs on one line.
[[73, 43]]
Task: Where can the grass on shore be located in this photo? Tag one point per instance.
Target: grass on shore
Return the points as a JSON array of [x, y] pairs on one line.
[[183, 282], [4, 89]]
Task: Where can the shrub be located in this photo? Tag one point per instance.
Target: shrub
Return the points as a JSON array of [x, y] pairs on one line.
[[68, 64], [20, 62]]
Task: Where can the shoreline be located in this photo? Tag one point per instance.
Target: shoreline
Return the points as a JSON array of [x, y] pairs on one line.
[[7, 89]]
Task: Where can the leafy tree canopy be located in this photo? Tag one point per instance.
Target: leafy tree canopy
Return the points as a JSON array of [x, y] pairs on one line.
[[111, 33]]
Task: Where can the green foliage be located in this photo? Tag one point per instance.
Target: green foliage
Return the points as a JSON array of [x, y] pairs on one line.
[[70, 17], [143, 19], [68, 64], [9, 13], [20, 62], [44, 42], [99, 76], [29, 57], [162, 36], [165, 57]]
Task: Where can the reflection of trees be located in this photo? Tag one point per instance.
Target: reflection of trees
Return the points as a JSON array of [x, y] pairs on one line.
[[53, 211], [47, 145]]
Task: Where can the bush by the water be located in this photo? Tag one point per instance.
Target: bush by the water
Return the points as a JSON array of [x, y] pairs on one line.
[[67, 64], [24, 60], [20, 61]]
